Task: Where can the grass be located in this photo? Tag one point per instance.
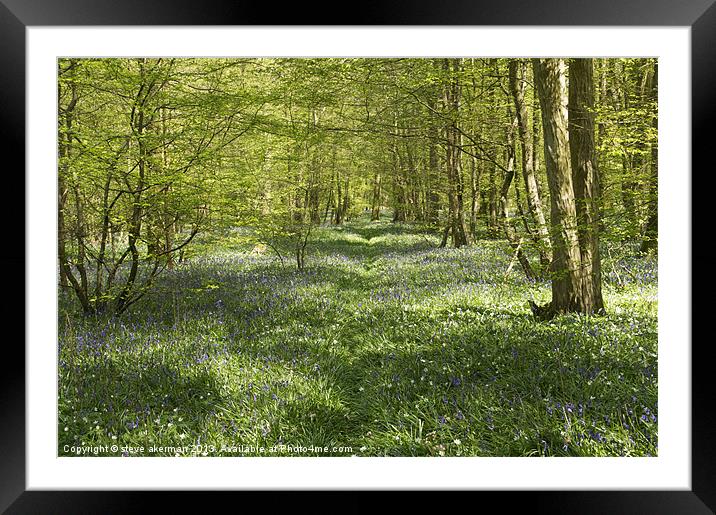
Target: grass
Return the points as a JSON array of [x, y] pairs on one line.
[[383, 346]]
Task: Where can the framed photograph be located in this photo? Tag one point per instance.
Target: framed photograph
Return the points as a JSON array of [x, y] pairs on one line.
[[434, 249]]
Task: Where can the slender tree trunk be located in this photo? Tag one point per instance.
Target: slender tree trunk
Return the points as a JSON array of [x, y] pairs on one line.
[[652, 225], [451, 98], [339, 201], [534, 203], [474, 195], [139, 125], [510, 233], [433, 198], [409, 176], [631, 161], [536, 124], [375, 210], [64, 146], [314, 190], [61, 230], [65, 140], [399, 214], [329, 205], [346, 200]]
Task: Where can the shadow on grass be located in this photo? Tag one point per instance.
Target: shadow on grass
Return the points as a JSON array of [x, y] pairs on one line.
[[100, 399]]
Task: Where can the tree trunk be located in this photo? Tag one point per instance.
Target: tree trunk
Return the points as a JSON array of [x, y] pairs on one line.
[[375, 210], [474, 195], [652, 225], [566, 274], [451, 97], [398, 187], [346, 200], [534, 203], [433, 200], [586, 179], [339, 201], [514, 240]]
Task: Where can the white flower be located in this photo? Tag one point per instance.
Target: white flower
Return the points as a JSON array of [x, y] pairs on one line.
[[364, 448], [457, 441]]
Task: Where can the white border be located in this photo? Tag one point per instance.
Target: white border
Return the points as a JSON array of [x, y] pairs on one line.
[[670, 470]]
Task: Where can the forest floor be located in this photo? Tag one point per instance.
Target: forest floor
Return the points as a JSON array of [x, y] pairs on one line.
[[385, 345]]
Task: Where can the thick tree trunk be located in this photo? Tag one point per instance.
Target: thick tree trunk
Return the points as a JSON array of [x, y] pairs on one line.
[[586, 179], [550, 79]]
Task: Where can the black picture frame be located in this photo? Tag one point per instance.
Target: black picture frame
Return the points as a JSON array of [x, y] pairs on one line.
[[17, 15]]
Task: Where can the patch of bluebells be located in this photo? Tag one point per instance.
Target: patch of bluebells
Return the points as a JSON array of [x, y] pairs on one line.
[[254, 294]]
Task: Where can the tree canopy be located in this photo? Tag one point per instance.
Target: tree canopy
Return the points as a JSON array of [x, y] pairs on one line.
[[153, 151]]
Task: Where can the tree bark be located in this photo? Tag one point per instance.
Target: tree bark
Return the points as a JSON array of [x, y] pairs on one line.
[[585, 175], [510, 233], [451, 98], [474, 195], [550, 79], [534, 203], [651, 233], [433, 198], [375, 208]]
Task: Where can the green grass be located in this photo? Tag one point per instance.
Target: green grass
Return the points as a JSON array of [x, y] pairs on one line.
[[383, 346]]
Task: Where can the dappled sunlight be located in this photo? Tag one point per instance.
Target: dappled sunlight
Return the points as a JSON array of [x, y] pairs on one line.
[[356, 256], [395, 353]]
